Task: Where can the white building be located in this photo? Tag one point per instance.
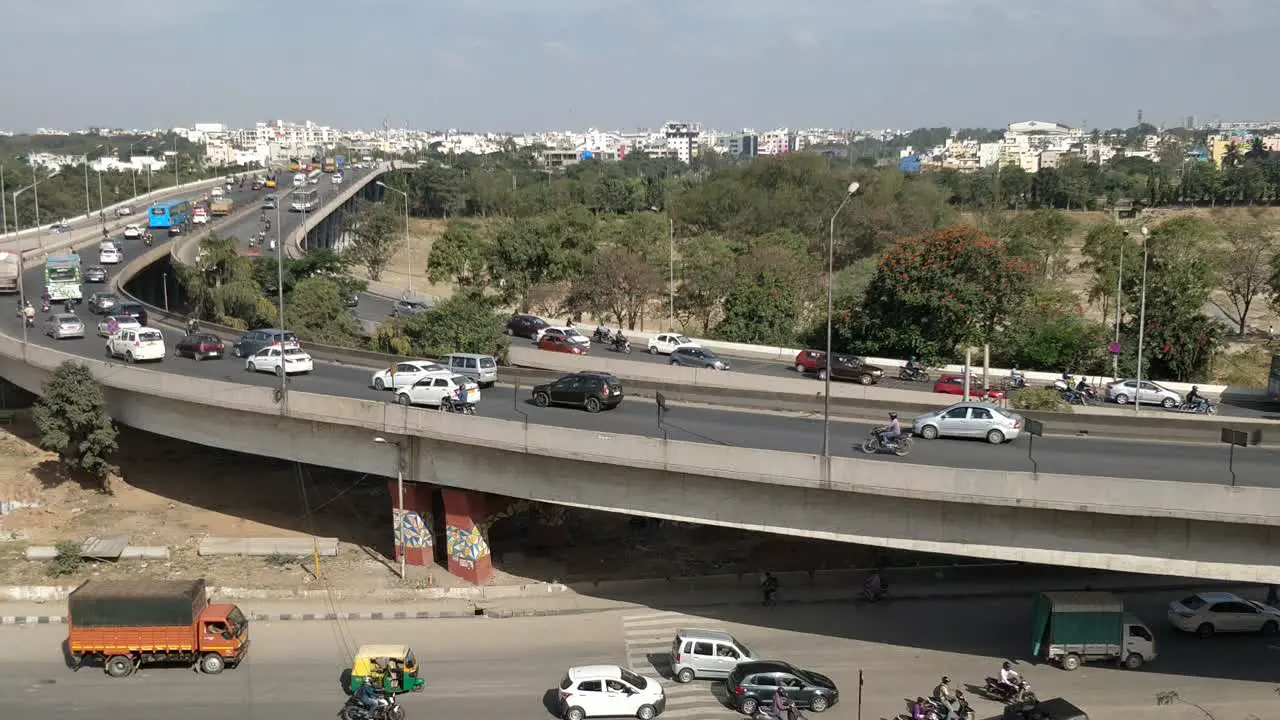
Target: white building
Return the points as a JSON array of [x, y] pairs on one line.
[[682, 140]]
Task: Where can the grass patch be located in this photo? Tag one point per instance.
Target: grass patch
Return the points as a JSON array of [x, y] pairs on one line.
[[1246, 367]]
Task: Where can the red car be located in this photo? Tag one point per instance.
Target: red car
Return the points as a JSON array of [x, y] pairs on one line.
[[954, 385], [808, 361], [558, 344], [200, 346]]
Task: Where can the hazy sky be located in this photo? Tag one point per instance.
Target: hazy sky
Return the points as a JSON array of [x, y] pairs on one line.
[[544, 64]]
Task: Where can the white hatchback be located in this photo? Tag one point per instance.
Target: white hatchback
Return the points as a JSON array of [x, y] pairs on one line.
[[404, 374], [433, 389], [132, 232], [1208, 613], [667, 343], [136, 345], [609, 691], [109, 257], [269, 359]]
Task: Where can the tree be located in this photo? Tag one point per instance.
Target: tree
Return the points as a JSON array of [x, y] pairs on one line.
[[1244, 267], [222, 285], [461, 255], [71, 416], [705, 271], [1038, 237], [621, 282], [465, 323], [374, 228], [935, 292], [1109, 249], [317, 311], [1051, 333]]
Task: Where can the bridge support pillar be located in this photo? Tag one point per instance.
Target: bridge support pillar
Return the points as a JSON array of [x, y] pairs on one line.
[[412, 529], [466, 534]]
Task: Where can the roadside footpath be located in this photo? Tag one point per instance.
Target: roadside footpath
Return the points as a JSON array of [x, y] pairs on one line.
[[685, 594]]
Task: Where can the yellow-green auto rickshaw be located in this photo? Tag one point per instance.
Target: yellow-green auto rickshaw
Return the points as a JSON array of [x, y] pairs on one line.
[[394, 668]]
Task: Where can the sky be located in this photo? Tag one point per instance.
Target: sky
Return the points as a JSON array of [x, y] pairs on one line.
[[503, 65]]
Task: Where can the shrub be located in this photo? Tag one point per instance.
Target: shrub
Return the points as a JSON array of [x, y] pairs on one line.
[[1039, 399]]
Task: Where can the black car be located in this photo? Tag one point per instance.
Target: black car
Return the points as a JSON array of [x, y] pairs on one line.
[[752, 685], [95, 274], [589, 390], [352, 300], [526, 326], [175, 230], [103, 303], [137, 311]]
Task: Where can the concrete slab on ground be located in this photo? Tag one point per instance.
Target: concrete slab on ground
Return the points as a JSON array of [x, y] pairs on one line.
[[264, 546]]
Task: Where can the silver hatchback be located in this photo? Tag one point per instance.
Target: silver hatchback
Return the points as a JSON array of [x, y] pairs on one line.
[[970, 420]]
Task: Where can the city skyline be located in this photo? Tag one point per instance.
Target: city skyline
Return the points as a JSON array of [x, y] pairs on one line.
[[491, 65]]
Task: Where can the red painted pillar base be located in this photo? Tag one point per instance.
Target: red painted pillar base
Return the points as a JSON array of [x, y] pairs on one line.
[[412, 529], [467, 544]]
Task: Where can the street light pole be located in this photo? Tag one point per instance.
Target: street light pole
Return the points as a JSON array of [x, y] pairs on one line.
[[35, 190], [1142, 322], [826, 375], [408, 253], [4, 207]]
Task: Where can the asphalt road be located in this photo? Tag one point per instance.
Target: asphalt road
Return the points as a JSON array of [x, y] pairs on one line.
[[505, 669], [1205, 463]]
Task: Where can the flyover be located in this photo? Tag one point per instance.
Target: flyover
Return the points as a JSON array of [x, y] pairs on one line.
[[735, 469]]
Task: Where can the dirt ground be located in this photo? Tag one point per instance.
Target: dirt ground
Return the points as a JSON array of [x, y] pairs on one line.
[[422, 233], [173, 493]]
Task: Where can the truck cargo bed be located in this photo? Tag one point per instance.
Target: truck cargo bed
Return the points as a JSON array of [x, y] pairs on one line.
[[125, 640]]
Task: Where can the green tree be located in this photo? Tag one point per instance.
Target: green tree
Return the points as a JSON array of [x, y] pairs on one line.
[[1051, 333], [935, 292], [317, 311], [222, 285], [71, 417], [464, 323], [1038, 237], [620, 282], [375, 229], [461, 255], [705, 271], [1244, 267]]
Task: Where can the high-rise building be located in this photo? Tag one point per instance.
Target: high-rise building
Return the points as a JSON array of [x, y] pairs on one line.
[[745, 144], [682, 140]]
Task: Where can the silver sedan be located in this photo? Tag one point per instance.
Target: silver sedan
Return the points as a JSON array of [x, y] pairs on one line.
[[970, 420], [63, 326]]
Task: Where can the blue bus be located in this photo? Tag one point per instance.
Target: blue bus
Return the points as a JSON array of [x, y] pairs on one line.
[[170, 214]]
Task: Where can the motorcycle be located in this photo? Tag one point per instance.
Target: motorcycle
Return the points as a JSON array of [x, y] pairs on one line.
[[873, 444], [872, 595], [1015, 381], [998, 691], [453, 405], [621, 345], [913, 374], [44, 306], [1204, 407], [386, 709], [602, 335]]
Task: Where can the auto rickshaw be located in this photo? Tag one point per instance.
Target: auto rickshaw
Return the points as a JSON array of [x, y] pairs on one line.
[[393, 667]]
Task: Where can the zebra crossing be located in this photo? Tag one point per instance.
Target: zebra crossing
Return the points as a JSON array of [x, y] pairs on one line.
[[647, 639]]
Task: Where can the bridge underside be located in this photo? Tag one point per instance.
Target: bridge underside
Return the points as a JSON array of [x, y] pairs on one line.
[[1164, 546]]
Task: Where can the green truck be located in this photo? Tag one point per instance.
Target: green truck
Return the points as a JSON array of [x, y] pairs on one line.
[[1072, 628]]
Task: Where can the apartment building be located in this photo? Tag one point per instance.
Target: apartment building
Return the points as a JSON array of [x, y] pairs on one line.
[[682, 140]]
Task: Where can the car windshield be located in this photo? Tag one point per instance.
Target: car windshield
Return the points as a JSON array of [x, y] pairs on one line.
[[460, 381], [487, 362], [237, 621], [570, 332], [150, 336], [808, 678], [1195, 602], [634, 680], [296, 354], [1001, 412], [68, 319], [683, 340]]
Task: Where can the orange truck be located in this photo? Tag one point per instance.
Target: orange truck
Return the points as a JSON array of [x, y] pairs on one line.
[[124, 625]]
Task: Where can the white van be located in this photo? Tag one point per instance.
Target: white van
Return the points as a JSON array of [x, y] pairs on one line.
[[299, 180]]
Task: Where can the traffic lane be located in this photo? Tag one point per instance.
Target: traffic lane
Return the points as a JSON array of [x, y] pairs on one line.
[[293, 671]]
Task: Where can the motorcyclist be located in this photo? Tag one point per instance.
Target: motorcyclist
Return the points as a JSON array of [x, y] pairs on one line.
[[874, 586], [912, 367], [783, 708], [963, 710], [113, 325], [368, 695], [192, 325], [602, 332], [945, 697], [45, 299], [768, 588], [68, 306], [619, 340], [892, 431], [29, 313], [1009, 679], [1195, 399]]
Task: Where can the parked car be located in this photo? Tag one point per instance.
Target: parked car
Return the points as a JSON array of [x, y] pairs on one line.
[[135, 310], [136, 345], [274, 359], [666, 343], [752, 685], [200, 346], [567, 333], [255, 340], [95, 274], [849, 367], [408, 308], [591, 391], [406, 373], [609, 691], [969, 420], [556, 343], [433, 389], [697, 357], [123, 322], [1208, 613], [132, 232], [481, 368], [102, 303], [1123, 392], [63, 326], [954, 385]]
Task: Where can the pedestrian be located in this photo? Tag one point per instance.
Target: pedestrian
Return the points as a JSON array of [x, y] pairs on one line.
[[768, 588]]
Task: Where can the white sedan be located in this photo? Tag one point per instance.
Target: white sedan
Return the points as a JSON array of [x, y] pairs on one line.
[[1208, 613], [268, 359], [667, 343], [123, 322], [432, 390], [110, 257], [124, 211], [406, 373], [132, 232], [136, 345]]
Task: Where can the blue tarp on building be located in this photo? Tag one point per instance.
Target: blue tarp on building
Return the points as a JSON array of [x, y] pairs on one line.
[[909, 164]]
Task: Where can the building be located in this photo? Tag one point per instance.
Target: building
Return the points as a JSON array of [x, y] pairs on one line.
[[744, 145], [682, 140], [777, 142]]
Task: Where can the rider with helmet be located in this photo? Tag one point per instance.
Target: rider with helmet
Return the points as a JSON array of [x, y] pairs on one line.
[[892, 431], [1195, 399]]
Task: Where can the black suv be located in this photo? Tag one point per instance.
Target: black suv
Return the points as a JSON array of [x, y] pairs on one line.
[[752, 685], [137, 311], [526, 326], [594, 391]]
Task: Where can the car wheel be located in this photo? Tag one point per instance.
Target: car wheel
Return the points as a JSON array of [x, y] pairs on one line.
[[507, 332], [279, 370], [212, 664], [995, 437], [646, 712], [819, 704], [866, 379], [653, 350], [1122, 399], [119, 666], [109, 354], [822, 374], [592, 405], [541, 399], [1133, 661], [1270, 627], [929, 432], [800, 369], [685, 676], [749, 707], [1168, 403], [575, 713], [128, 357], [251, 367], [1205, 630], [1070, 662], [404, 399], [379, 385]]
